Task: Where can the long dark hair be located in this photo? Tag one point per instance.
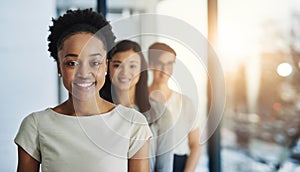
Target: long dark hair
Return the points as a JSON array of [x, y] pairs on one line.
[[141, 91]]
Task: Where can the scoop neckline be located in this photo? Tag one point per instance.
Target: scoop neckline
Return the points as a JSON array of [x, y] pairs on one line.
[[88, 116]]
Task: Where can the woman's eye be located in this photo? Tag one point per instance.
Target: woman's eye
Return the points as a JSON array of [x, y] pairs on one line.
[[133, 66], [72, 63], [116, 65], [96, 63]]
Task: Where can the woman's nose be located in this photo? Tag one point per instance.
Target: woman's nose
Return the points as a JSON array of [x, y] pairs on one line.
[[83, 70], [123, 69]]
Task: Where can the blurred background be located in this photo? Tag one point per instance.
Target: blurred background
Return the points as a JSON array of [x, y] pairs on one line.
[[257, 43]]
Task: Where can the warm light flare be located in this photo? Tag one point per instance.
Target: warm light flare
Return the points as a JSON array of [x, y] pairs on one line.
[[284, 69], [237, 46]]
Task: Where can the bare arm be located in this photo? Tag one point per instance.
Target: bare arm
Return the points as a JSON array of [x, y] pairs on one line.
[[26, 163], [193, 158], [140, 161]]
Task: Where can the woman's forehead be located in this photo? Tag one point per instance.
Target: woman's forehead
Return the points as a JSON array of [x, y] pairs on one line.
[[83, 41], [127, 56]]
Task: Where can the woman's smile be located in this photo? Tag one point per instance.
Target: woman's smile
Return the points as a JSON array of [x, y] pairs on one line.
[[84, 85]]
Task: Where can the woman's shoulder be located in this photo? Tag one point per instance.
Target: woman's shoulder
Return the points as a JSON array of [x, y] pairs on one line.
[[130, 114], [34, 118], [161, 112], [176, 96], [44, 112]]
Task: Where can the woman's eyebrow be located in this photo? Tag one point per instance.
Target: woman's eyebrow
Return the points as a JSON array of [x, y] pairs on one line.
[[95, 54], [71, 55], [116, 61], [133, 61]]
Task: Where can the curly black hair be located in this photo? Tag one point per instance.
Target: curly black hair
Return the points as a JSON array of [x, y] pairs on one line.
[[75, 21]]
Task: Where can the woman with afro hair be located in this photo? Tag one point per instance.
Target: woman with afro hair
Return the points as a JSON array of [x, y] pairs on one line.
[[86, 132]]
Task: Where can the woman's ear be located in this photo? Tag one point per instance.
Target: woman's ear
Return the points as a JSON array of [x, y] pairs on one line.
[[58, 69], [107, 66]]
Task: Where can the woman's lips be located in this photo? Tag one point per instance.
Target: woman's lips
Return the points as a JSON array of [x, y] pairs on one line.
[[123, 79], [84, 85]]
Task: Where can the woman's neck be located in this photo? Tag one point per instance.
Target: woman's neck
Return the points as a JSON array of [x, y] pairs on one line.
[[126, 97], [84, 108], [160, 92]]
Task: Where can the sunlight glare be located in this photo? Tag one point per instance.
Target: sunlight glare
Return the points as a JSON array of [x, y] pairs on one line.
[[284, 69]]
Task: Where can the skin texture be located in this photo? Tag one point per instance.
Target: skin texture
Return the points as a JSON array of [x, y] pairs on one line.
[[82, 65], [82, 61], [193, 158], [140, 162], [124, 71], [26, 163], [162, 67]]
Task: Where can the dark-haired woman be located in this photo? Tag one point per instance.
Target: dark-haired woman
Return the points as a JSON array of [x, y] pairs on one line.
[[126, 84], [86, 132]]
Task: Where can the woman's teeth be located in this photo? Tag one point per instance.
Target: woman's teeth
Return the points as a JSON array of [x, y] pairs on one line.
[[84, 84]]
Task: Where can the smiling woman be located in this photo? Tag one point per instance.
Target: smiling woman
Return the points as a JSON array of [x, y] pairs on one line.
[[81, 133], [126, 67], [82, 66], [126, 84]]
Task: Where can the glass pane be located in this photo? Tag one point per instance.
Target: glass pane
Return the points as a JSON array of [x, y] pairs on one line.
[[259, 42]]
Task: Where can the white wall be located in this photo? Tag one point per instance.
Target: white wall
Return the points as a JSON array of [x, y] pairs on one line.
[[28, 75]]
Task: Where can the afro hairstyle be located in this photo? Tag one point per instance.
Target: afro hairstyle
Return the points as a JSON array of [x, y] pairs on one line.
[[76, 21]]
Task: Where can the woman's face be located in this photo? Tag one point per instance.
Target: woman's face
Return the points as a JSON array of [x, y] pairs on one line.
[[82, 64], [162, 67], [125, 68]]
